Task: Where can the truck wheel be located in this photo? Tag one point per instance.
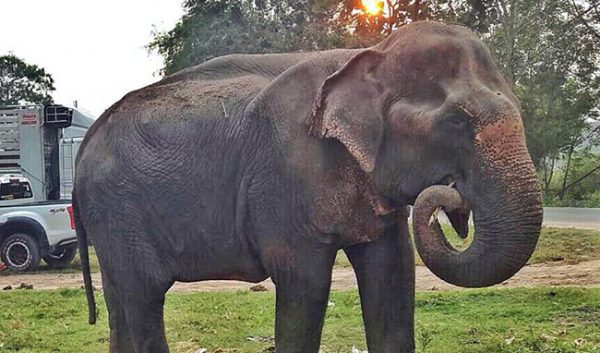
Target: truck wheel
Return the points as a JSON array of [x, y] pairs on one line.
[[20, 252], [62, 257]]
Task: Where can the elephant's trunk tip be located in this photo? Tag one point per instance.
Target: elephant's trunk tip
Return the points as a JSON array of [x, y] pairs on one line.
[[501, 246]]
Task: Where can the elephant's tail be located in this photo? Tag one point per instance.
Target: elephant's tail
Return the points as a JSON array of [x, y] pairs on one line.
[[85, 262]]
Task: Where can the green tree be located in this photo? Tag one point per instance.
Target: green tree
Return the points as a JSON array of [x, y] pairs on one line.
[[22, 83], [583, 182], [551, 58], [369, 27], [212, 28]]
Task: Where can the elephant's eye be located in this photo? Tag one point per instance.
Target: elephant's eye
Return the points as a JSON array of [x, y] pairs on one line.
[[457, 119]]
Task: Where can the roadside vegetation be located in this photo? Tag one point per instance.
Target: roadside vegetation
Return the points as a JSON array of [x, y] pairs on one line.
[[546, 320], [555, 245]]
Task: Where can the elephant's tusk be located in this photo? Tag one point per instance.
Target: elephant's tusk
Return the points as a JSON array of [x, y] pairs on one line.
[[434, 215]]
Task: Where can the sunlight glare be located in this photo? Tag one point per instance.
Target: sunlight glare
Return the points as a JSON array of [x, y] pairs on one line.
[[372, 7]]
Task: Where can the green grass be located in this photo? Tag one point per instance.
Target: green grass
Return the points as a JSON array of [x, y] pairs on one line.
[[570, 245], [545, 320], [556, 244]]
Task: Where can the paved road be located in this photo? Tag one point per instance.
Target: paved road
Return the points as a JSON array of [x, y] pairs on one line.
[[566, 217], [584, 218]]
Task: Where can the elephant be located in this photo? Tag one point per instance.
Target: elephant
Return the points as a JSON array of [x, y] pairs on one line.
[[247, 167]]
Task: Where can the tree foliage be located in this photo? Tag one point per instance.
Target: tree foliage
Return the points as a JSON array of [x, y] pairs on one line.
[[22, 83], [212, 28], [552, 58]]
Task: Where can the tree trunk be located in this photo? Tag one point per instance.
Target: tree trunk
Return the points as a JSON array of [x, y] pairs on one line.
[[548, 174], [417, 10], [561, 195], [580, 179]]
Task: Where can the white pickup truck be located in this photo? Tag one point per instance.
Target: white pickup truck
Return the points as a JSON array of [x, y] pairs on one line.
[[38, 145], [30, 231]]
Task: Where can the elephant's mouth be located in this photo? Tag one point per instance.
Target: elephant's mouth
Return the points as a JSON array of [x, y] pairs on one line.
[[459, 217]]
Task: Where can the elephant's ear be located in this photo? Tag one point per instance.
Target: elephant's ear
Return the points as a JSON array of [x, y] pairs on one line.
[[348, 107]]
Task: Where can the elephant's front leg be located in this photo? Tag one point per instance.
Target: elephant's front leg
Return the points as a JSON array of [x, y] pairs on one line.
[[302, 281], [386, 279]]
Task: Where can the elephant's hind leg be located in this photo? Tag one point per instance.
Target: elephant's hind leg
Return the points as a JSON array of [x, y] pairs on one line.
[[135, 282], [144, 316], [135, 309], [120, 339]]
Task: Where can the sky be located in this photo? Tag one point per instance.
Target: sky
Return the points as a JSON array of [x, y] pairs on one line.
[[94, 50]]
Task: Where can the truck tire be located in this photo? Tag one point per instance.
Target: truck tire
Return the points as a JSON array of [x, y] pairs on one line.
[[62, 257], [20, 252]]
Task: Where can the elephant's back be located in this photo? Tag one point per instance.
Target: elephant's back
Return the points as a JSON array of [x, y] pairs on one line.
[[184, 100], [191, 129]]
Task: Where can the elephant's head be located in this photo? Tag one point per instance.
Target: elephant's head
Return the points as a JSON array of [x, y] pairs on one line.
[[429, 107]]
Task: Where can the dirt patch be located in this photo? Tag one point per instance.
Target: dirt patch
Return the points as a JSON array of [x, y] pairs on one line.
[[585, 274]]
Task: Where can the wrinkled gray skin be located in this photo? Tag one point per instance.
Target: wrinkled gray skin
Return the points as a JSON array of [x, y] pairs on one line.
[[248, 167]]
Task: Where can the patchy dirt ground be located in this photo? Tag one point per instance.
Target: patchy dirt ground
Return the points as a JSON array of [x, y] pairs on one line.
[[555, 274]]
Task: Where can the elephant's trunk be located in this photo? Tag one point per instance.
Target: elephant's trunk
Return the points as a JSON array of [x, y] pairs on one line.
[[507, 214]]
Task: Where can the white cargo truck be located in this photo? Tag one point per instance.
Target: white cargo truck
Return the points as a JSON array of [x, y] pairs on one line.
[[38, 145]]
